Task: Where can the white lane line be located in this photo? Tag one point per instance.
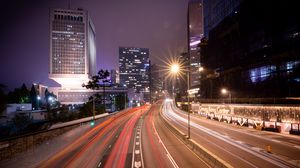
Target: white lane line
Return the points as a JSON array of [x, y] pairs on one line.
[[256, 149], [168, 154], [274, 140], [297, 146], [137, 164], [137, 148], [219, 136], [240, 142], [234, 155]]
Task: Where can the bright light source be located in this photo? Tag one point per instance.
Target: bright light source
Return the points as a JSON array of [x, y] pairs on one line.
[[168, 100], [92, 123], [175, 68], [201, 69], [39, 97], [224, 91], [50, 98]]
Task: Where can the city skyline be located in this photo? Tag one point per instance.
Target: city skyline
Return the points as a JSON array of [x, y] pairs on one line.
[[153, 30]]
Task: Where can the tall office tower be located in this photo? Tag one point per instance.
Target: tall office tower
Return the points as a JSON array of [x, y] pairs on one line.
[[72, 47], [195, 33], [156, 84], [215, 11], [134, 69]]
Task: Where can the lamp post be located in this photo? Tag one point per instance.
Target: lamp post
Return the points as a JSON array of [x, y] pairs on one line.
[[175, 69], [38, 101], [225, 91]]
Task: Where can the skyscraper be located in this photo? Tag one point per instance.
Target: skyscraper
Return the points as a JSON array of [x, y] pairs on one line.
[[72, 47], [134, 69], [195, 33], [215, 11]]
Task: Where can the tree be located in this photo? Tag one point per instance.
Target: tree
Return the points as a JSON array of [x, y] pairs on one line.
[[120, 101], [98, 81], [19, 95], [3, 100], [33, 97], [24, 94]]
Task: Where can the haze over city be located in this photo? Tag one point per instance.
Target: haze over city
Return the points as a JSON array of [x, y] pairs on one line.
[[157, 25], [149, 83]]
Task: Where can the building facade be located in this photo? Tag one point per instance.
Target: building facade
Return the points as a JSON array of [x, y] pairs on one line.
[[215, 11], [72, 47], [254, 55], [195, 33], [156, 84], [134, 70]]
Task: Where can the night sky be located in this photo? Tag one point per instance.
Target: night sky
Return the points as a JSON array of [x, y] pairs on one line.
[[159, 25]]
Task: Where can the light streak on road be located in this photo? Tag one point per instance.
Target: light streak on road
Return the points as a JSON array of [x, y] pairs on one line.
[[172, 116], [119, 153]]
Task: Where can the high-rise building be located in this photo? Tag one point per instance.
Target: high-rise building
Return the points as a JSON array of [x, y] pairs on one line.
[[156, 84], [254, 56], [72, 47], [134, 69], [215, 11], [195, 33]]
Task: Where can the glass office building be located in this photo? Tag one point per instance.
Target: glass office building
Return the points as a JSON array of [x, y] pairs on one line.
[[72, 47], [134, 69]]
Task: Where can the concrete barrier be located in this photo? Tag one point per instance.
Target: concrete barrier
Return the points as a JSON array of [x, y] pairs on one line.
[[206, 155], [12, 146]]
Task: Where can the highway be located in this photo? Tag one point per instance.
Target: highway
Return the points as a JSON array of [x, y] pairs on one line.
[[160, 148], [238, 146], [137, 137], [93, 148]]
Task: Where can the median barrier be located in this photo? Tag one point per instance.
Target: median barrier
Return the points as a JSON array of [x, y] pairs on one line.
[[206, 155]]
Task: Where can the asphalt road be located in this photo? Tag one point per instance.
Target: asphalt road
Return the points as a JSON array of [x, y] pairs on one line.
[[161, 148], [238, 146], [96, 147]]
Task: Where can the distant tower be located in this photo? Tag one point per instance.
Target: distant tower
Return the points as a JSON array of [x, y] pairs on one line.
[[72, 47], [195, 33], [134, 69]]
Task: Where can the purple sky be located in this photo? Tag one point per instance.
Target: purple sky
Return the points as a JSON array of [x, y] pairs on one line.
[[159, 25]]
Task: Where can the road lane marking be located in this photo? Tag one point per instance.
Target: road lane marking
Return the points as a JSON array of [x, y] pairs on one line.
[[137, 156], [297, 146], [256, 149], [137, 164], [263, 156], [168, 154], [274, 140]]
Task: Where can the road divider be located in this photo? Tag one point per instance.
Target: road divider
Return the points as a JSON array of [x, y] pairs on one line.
[[202, 152]]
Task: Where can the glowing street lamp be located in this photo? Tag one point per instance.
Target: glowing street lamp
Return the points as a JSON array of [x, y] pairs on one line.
[[201, 69], [38, 100], [175, 69], [225, 91]]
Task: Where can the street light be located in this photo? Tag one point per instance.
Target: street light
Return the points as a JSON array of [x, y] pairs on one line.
[[38, 101], [225, 91], [175, 69]]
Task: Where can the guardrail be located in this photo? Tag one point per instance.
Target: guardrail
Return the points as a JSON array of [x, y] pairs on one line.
[[205, 154], [277, 118], [9, 147]]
